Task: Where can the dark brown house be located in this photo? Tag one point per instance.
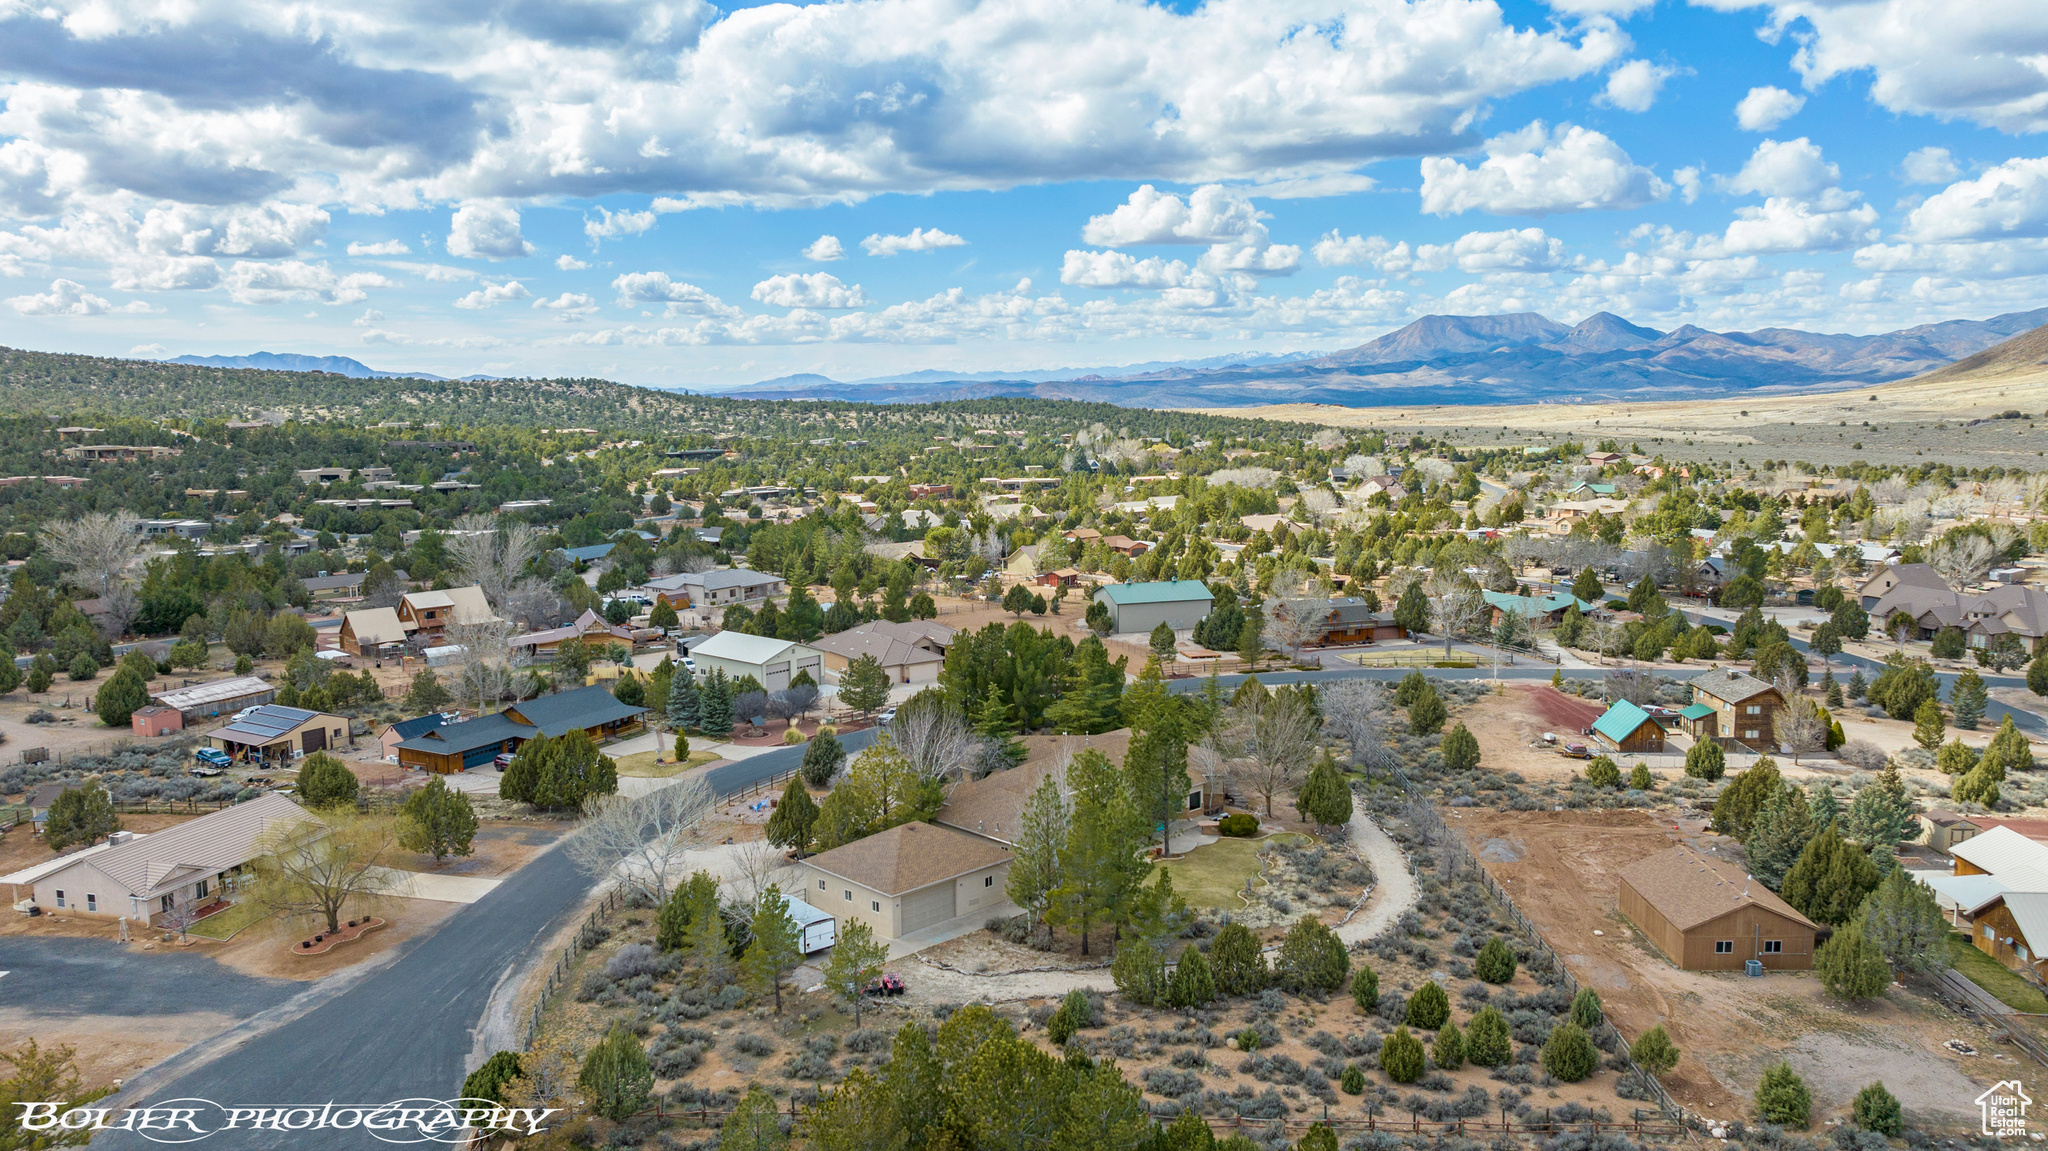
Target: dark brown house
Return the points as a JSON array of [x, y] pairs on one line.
[[1745, 708], [1705, 914]]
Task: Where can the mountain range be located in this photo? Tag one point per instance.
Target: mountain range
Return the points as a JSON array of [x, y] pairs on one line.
[[292, 362], [1520, 357]]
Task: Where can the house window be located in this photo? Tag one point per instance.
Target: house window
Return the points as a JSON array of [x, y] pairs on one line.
[[198, 889], [821, 885], [1988, 933], [1774, 946], [1724, 947], [1754, 709], [60, 903], [169, 901], [848, 894], [874, 905], [1750, 733], [988, 881], [92, 902]]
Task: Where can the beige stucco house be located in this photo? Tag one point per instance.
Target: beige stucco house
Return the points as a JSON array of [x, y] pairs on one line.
[[907, 878]]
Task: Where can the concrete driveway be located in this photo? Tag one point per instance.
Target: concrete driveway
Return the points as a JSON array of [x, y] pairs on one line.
[[443, 888]]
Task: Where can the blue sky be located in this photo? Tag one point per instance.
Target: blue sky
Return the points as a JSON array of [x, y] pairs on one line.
[[640, 191]]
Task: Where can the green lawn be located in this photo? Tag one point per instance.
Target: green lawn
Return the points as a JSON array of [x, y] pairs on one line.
[[1995, 977], [642, 764], [1211, 875], [226, 923]]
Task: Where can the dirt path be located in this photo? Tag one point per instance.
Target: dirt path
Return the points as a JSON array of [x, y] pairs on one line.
[[1395, 891]]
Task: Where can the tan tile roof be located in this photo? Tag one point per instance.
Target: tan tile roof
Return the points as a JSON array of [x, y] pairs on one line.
[[908, 857], [1690, 888], [892, 644], [375, 625], [204, 846]]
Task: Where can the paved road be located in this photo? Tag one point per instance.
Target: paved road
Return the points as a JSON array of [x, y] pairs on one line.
[[407, 1030], [63, 978]]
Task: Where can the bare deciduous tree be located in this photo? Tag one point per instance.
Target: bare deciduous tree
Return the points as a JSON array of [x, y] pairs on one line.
[[493, 553], [98, 547], [933, 736], [757, 865], [1962, 559], [1266, 743], [1799, 728], [642, 840], [1455, 603], [486, 660], [1359, 712], [1294, 620]]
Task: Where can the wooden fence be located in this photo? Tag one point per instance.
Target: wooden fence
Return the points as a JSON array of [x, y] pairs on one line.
[[1440, 836], [1965, 996], [566, 959]]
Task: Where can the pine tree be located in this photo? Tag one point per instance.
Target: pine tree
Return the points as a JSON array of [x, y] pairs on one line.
[[426, 693], [1586, 1010], [754, 1124], [1427, 714], [1429, 1007], [1654, 1052], [683, 701], [616, 1078], [83, 814], [1311, 958], [2013, 749], [1850, 966], [795, 814], [1495, 962], [863, 685], [437, 820], [1460, 749], [1324, 798], [1830, 879], [1041, 841], [1878, 1110], [1824, 804], [1449, 1050], [1782, 1098], [1967, 698], [1858, 686], [1955, 758], [1603, 772], [714, 709], [1139, 972], [325, 781], [1903, 921], [1365, 987], [1779, 833], [1881, 814], [1587, 586], [1161, 642], [672, 921], [1192, 984], [1705, 760], [1928, 728], [1239, 963], [1486, 1039], [823, 757], [1401, 1056], [1736, 807], [121, 696], [1568, 1054], [776, 948]]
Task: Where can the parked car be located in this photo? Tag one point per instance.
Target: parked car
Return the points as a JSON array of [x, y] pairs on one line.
[[212, 755], [503, 760], [1575, 751], [887, 717]]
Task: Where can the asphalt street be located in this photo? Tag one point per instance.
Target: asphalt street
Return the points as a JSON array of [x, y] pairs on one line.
[[405, 1031], [62, 978]]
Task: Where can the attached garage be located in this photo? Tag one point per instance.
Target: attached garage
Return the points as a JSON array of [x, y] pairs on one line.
[[923, 908], [473, 743], [772, 662], [274, 733], [908, 878]]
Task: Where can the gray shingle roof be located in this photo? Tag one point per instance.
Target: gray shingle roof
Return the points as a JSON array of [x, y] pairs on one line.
[[573, 710]]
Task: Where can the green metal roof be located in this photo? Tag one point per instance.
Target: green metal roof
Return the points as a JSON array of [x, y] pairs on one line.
[[1621, 721], [1158, 591], [1697, 711]]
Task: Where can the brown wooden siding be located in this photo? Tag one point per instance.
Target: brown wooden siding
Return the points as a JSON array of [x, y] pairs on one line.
[[1746, 927], [1998, 935]]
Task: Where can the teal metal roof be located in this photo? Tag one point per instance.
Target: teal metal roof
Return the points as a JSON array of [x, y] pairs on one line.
[[1621, 721], [1158, 591], [1697, 711]]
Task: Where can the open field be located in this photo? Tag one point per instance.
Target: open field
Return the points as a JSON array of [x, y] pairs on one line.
[[1921, 417], [1561, 869]]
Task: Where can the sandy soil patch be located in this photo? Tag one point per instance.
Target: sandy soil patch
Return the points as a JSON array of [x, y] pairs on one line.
[[1561, 869]]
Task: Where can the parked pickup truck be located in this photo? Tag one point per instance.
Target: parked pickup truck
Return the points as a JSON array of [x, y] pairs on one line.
[[213, 756], [1575, 751]]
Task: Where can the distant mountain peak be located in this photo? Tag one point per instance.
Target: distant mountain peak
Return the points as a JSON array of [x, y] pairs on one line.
[[293, 362]]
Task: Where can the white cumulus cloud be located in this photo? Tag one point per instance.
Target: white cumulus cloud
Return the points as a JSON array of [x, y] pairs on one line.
[[1120, 270], [918, 240], [65, 298], [641, 288], [1537, 172], [1633, 87], [825, 249], [568, 263], [610, 225], [1792, 168], [1929, 166], [381, 248], [809, 290], [294, 281], [2008, 200], [485, 230], [568, 307], [492, 294], [1765, 108]]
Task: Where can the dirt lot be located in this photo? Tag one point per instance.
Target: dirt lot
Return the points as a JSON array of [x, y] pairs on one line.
[[1560, 868], [500, 848]]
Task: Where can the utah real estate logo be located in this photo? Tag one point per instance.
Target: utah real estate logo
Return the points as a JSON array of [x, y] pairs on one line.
[[2005, 1109]]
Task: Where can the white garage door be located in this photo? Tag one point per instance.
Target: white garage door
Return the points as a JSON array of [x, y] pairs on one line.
[[923, 908]]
